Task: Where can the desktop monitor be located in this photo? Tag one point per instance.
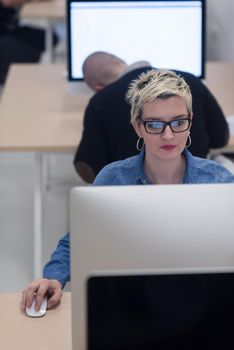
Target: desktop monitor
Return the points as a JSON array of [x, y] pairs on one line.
[[169, 34], [117, 228]]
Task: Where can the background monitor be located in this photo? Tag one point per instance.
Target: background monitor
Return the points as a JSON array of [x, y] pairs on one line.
[[146, 227], [169, 34]]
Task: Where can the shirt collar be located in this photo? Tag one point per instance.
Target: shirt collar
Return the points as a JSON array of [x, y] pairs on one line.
[[141, 178], [190, 169]]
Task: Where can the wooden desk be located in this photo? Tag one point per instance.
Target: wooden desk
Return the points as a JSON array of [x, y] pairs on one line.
[[50, 332], [220, 80], [51, 11], [40, 113]]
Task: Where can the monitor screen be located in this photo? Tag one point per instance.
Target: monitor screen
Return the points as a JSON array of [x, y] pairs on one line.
[[161, 311], [168, 34]]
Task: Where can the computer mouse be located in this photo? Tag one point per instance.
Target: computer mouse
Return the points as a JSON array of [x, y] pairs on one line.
[[30, 311]]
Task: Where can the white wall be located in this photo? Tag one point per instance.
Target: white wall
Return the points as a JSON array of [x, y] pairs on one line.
[[220, 30]]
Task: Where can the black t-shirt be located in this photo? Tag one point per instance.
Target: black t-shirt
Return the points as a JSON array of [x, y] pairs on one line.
[[108, 135], [8, 18]]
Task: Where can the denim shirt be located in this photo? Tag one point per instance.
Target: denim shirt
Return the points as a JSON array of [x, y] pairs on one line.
[[131, 172]]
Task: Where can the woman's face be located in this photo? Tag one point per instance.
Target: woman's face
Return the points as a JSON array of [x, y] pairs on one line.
[[168, 144]]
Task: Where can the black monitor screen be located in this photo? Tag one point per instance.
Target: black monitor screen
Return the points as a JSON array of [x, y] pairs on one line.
[[168, 34], [183, 311]]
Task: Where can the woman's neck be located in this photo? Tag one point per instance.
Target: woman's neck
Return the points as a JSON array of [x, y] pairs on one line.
[[160, 171]]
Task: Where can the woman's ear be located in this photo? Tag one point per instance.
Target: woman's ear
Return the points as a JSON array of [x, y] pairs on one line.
[[137, 128]]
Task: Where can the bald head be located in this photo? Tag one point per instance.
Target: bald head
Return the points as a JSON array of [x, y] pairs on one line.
[[101, 68]]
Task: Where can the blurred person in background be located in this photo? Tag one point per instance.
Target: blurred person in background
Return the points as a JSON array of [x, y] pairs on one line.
[[18, 43]]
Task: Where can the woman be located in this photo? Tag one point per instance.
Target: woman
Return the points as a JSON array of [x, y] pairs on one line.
[[161, 114]]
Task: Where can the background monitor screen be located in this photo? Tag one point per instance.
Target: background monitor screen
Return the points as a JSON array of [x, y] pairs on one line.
[[168, 34]]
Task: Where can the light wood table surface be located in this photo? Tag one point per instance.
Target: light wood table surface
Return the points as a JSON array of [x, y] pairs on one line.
[[220, 80], [20, 332], [50, 9], [41, 112]]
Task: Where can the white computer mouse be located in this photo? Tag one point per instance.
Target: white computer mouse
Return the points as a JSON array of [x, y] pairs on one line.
[[30, 311]]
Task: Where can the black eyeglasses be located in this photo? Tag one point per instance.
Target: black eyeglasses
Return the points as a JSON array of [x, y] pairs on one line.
[[158, 126]]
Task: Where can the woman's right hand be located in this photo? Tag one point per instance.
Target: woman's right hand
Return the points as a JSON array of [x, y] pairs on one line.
[[40, 288]]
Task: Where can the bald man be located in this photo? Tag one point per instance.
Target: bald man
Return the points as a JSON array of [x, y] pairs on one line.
[[108, 135]]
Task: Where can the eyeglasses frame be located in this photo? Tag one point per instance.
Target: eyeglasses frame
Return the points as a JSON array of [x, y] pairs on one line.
[[144, 122]]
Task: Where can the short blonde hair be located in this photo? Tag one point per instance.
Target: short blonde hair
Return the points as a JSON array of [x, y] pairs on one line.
[[156, 83]]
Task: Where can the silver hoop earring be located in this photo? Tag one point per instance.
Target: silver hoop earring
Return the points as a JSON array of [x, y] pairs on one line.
[[138, 146], [189, 141]]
